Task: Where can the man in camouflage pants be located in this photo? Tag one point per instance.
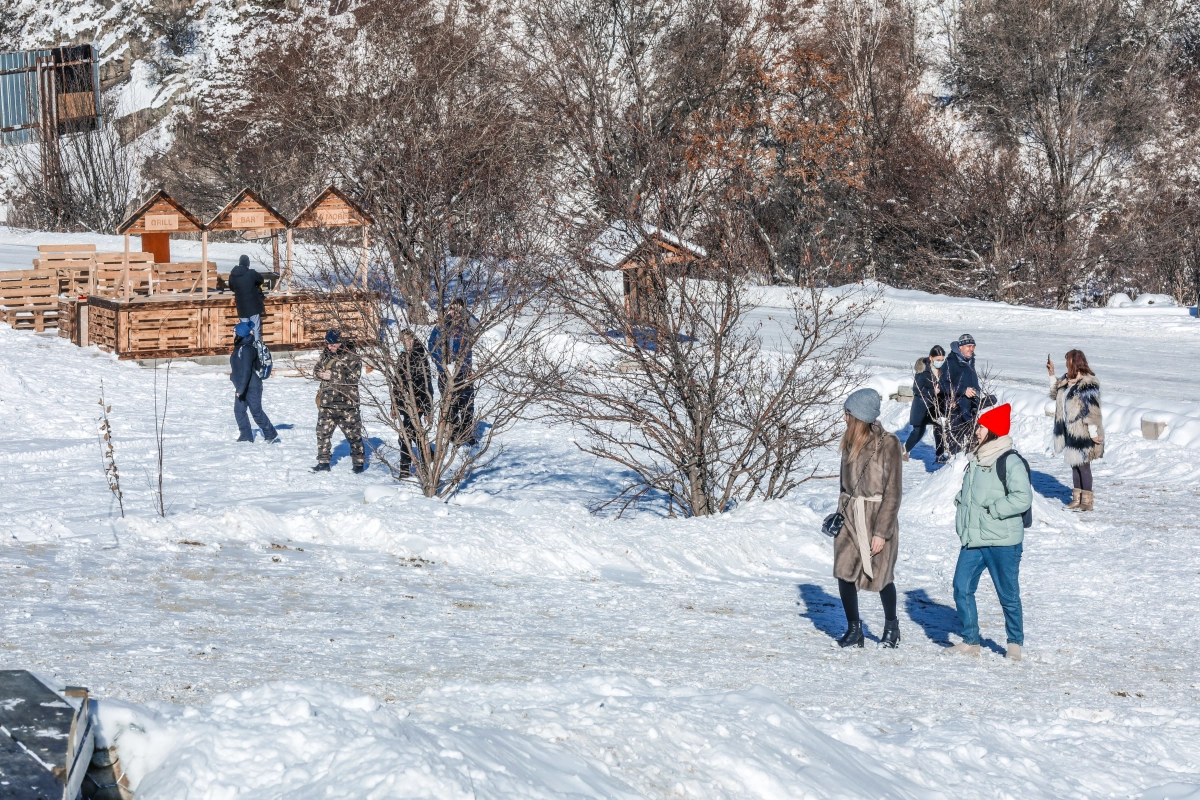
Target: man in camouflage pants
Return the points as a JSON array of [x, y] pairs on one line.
[[338, 369]]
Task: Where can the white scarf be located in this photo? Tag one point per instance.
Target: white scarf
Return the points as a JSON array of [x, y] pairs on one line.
[[987, 454]]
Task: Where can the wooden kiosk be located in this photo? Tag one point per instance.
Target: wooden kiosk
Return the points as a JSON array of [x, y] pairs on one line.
[[331, 209], [178, 312]]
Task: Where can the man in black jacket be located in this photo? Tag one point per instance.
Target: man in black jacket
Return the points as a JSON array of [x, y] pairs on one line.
[[960, 391], [412, 395], [246, 285], [247, 386]]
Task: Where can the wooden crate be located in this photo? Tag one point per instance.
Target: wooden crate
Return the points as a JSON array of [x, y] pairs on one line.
[[29, 299], [179, 326], [68, 318]]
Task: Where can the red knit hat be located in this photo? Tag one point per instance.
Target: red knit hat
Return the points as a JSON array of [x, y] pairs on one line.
[[998, 420]]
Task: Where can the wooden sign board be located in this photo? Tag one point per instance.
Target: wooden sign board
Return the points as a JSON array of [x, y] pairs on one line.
[[247, 220], [162, 222], [334, 216]]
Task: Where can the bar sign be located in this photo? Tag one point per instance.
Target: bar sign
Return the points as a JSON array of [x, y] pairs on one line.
[[247, 219]]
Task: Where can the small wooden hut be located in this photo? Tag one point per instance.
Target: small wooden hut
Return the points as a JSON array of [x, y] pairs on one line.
[[249, 213], [332, 209], [646, 256], [155, 221]]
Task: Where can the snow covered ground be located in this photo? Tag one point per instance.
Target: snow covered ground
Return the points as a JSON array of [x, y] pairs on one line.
[[277, 636]]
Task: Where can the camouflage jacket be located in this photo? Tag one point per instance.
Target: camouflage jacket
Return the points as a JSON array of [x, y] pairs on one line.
[[341, 390]]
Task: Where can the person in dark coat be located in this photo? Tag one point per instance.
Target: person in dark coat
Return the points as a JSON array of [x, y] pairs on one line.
[[339, 369], [246, 285], [412, 395], [927, 408], [451, 353], [247, 386], [960, 391]]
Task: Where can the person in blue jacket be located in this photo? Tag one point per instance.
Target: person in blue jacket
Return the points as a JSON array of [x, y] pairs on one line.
[[450, 350], [247, 386], [958, 387], [927, 407]]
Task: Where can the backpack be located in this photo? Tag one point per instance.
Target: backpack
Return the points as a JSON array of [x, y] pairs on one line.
[[263, 370], [1001, 470]]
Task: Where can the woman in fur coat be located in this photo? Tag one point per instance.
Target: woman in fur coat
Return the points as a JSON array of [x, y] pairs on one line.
[[864, 551], [1078, 424]]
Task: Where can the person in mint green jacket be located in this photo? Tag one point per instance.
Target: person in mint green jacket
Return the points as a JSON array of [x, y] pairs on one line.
[[990, 526]]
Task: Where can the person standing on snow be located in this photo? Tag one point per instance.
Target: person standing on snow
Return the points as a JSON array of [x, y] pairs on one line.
[[958, 385], [451, 352], [247, 386], [989, 517], [1078, 424], [865, 549], [338, 369], [246, 285], [927, 407], [412, 394]]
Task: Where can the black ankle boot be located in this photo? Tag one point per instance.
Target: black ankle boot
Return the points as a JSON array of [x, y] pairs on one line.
[[853, 637], [891, 633]]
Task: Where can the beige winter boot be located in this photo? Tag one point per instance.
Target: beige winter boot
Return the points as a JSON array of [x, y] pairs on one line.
[[964, 649], [1014, 652], [1074, 504], [1085, 501]]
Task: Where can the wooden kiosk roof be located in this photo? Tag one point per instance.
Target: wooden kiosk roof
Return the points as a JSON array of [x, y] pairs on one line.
[[247, 212], [332, 208], [160, 214]]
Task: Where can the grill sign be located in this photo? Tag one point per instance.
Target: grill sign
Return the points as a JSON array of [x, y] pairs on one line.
[[162, 222], [333, 216], [246, 219]]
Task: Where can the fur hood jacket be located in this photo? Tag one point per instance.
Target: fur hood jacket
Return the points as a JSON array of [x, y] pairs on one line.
[[1078, 421]]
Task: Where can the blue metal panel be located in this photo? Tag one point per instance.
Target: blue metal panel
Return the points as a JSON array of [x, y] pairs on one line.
[[18, 96]]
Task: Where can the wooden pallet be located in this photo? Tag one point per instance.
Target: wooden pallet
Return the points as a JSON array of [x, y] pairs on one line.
[[29, 299], [182, 326], [110, 271], [185, 277], [71, 262]]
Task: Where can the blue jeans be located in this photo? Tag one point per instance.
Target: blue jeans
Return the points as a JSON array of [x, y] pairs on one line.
[[1004, 565], [255, 320], [253, 404]]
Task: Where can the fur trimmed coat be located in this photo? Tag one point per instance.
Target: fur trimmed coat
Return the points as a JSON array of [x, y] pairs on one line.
[[879, 463], [1078, 422]]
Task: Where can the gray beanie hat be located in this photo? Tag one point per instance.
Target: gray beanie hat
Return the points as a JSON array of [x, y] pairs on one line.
[[966, 338], [864, 405]]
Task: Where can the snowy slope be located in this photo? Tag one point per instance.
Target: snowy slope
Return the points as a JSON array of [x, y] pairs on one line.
[[276, 635]]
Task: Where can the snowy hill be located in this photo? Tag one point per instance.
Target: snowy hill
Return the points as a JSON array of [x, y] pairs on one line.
[[285, 633]]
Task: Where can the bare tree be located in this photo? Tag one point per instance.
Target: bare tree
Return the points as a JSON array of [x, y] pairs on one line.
[[99, 181], [160, 433], [699, 396], [446, 390], [1072, 86]]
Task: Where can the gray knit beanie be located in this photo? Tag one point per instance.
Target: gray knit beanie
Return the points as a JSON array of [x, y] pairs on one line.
[[864, 405], [966, 339]]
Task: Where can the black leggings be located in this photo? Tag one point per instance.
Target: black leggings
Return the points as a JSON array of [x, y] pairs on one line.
[[1081, 477], [918, 433], [849, 593]]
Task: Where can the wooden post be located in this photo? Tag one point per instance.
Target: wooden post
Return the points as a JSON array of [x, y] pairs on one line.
[[287, 275], [204, 261], [275, 252], [362, 267], [125, 269]]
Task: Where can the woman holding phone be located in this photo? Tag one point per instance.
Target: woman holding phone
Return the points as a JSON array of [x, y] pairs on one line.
[[1078, 424]]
